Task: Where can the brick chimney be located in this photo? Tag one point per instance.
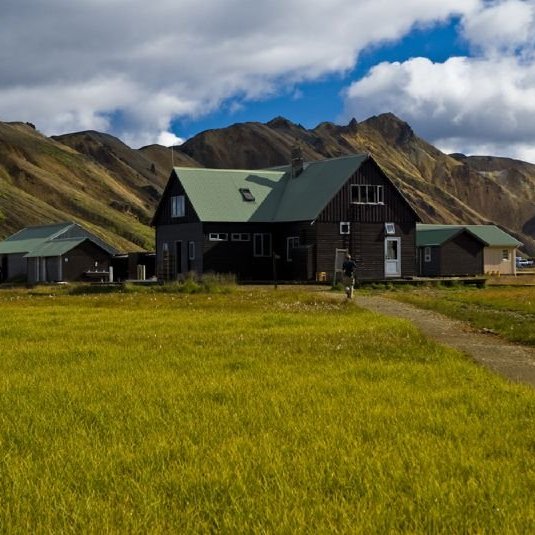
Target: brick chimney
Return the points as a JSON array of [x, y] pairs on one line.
[[296, 161]]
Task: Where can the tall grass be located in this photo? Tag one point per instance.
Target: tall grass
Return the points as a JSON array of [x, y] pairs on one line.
[[510, 311], [259, 411]]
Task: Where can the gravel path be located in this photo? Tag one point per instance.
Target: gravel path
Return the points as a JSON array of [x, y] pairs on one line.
[[514, 361]]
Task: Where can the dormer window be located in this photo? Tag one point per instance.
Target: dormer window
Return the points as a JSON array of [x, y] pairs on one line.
[[247, 195]]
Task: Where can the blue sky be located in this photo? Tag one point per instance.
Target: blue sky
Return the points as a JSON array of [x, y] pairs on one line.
[[460, 72], [322, 100]]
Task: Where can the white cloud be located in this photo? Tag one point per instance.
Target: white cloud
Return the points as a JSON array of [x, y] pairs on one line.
[[130, 67], [501, 26], [168, 138], [481, 104]]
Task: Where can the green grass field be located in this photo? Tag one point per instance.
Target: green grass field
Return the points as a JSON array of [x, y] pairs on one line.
[[257, 411], [510, 311]]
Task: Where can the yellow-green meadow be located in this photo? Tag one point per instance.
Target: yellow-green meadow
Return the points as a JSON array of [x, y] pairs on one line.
[[509, 310], [261, 410]]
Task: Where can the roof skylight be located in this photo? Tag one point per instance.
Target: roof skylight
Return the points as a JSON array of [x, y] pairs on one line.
[[247, 195]]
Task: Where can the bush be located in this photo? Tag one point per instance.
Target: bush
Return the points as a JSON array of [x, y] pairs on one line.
[[91, 289]]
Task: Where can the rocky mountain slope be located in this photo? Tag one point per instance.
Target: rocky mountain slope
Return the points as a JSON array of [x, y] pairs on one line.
[[97, 180], [42, 180]]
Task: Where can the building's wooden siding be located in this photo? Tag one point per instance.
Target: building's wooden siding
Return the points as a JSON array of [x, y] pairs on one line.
[[366, 244], [163, 216], [168, 236], [303, 263], [86, 256], [328, 239], [15, 266], [33, 270], [237, 257], [127, 266], [461, 256], [3, 268], [366, 241], [494, 262], [70, 267], [395, 207], [431, 268], [53, 268]]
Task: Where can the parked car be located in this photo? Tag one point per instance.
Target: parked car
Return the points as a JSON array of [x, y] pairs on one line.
[[523, 262]]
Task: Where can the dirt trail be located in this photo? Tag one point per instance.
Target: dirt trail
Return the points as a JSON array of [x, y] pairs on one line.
[[514, 361]]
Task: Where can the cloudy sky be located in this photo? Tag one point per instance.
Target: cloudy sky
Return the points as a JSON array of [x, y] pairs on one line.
[[460, 72]]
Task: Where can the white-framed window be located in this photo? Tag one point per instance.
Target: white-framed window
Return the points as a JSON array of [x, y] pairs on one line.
[[291, 243], [191, 250], [262, 244], [240, 236], [505, 254], [367, 194], [218, 236], [178, 206], [345, 227], [390, 228], [427, 254]]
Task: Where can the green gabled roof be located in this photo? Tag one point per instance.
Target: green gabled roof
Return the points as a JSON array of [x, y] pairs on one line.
[[47, 240], [435, 237], [55, 247], [491, 235], [306, 196], [215, 193], [28, 238]]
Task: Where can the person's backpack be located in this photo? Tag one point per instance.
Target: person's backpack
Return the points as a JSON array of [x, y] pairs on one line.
[[348, 267]]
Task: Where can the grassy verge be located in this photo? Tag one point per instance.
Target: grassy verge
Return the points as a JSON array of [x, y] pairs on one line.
[[258, 411], [509, 311], [212, 284]]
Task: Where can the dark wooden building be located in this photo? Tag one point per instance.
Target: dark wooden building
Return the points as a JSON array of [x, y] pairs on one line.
[[449, 252], [140, 265], [464, 250], [53, 253], [300, 219]]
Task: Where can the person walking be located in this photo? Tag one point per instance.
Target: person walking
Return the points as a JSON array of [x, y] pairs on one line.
[[348, 268]]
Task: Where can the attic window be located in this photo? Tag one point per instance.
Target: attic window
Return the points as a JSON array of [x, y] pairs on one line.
[[367, 194], [247, 195], [177, 206], [390, 228]]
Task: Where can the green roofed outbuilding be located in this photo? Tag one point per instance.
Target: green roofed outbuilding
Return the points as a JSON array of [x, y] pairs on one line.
[[52, 253], [446, 250]]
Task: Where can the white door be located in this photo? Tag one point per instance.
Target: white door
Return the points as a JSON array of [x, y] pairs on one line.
[[339, 258], [393, 257]]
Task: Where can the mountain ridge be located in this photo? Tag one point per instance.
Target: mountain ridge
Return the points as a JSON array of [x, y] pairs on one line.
[[97, 180]]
